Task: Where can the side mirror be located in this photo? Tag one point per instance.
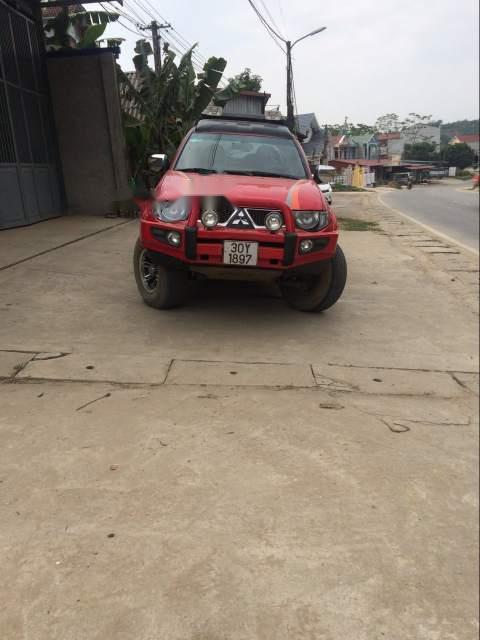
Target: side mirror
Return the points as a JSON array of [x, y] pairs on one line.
[[316, 175], [158, 162]]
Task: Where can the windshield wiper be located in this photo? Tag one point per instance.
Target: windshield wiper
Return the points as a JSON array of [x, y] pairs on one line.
[[202, 170], [267, 174]]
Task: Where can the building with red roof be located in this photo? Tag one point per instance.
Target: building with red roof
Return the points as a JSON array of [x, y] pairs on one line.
[[472, 139]]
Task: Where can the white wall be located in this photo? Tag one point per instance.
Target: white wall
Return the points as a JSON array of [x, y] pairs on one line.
[[422, 134]]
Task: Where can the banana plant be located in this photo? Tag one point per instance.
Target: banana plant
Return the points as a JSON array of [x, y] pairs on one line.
[[76, 29], [159, 109]]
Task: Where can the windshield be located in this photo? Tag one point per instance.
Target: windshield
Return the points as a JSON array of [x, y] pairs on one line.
[[241, 154]]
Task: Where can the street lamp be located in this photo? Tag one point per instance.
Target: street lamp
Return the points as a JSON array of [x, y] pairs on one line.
[[290, 45]]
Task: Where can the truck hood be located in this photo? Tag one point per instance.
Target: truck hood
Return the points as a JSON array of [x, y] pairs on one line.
[[252, 191]]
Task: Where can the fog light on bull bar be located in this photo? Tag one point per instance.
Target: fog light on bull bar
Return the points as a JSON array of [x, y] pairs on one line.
[[274, 221], [210, 219], [174, 238], [306, 246]]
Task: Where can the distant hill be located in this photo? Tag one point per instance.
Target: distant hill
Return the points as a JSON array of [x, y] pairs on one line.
[[459, 127]]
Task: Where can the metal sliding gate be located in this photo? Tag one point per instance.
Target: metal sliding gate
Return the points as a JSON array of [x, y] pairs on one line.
[[29, 177]]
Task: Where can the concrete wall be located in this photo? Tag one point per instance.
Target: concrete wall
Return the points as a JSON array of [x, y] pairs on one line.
[[87, 115]]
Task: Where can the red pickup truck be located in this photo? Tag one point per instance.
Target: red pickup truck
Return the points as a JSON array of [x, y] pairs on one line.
[[238, 201]]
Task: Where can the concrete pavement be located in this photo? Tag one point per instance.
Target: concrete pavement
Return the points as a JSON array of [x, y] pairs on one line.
[[235, 469]]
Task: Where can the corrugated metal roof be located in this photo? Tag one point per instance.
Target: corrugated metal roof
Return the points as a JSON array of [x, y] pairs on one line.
[[305, 122], [335, 140], [394, 135], [359, 161]]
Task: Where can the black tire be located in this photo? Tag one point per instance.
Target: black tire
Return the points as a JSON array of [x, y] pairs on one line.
[[320, 292], [159, 287]]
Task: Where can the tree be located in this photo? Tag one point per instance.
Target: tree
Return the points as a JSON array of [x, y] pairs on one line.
[[163, 107], [414, 124], [459, 127], [459, 155], [361, 129], [76, 29], [245, 81], [387, 123], [421, 151]]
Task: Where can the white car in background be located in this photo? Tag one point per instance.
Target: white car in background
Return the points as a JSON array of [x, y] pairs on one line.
[[322, 179]]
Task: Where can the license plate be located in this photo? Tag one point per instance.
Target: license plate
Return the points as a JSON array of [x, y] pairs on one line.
[[243, 254]]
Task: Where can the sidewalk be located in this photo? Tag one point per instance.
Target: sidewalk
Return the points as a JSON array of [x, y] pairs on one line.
[[25, 243], [235, 469]]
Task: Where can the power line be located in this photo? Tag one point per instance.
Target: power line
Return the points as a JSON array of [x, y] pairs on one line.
[[122, 13], [126, 16], [137, 15], [185, 43], [269, 14], [270, 31], [181, 41], [137, 33], [282, 14], [182, 44], [265, 23], [178, 45], [142, 8]]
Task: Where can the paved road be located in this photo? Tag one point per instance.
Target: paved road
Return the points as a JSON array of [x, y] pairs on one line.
[[446, 207]]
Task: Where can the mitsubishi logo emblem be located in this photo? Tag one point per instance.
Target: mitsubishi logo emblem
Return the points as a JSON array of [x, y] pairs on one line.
[[241, 219]]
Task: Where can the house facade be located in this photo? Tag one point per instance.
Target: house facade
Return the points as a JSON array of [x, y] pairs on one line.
[[390, 146], [367, 146], [342, 147]]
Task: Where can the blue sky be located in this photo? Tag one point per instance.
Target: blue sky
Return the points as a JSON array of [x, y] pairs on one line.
[[375, 57]]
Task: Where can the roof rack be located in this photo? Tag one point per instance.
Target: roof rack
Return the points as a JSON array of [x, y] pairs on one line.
[[244, 116], [242, 125]]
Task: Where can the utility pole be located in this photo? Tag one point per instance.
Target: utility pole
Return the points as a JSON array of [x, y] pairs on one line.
[[289, 47], [157, 56], [290, 113], [155, 28]]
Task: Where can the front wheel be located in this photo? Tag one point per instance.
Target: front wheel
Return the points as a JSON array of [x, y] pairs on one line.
[[318, 292], [159, 287]]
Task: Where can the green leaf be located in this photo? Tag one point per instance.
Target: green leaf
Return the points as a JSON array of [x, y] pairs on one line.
[[92, 34]]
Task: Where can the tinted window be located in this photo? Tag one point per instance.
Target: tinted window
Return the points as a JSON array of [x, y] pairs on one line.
[[242, 154]]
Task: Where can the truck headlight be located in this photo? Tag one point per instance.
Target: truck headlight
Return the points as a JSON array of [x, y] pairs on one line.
[[311, 220], [171, 211]]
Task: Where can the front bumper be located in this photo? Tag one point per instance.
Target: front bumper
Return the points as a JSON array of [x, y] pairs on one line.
[[202, 247]]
